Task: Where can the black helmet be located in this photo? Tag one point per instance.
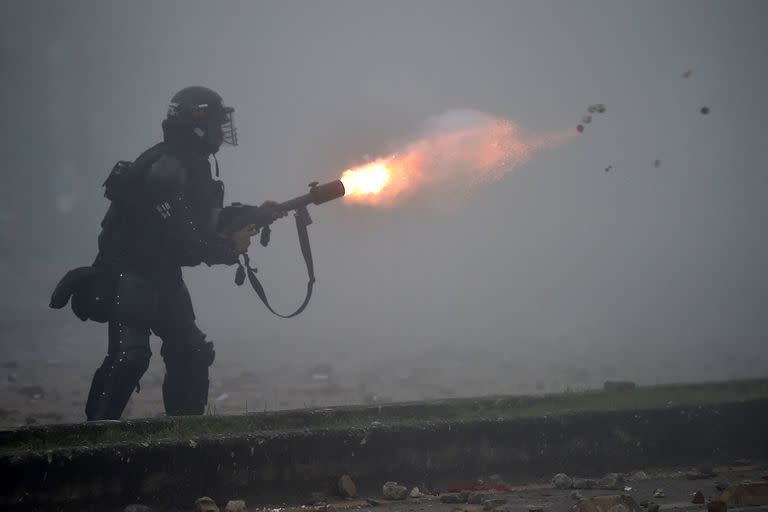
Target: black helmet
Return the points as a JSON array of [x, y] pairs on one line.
[[197, 114]]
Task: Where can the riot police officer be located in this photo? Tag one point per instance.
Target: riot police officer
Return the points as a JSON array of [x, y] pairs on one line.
[[162, 216]]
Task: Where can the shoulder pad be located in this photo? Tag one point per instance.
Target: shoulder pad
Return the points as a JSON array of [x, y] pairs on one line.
[[167, 173]]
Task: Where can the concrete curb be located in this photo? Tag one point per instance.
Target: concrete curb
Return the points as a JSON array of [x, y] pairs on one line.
[[265, 463]]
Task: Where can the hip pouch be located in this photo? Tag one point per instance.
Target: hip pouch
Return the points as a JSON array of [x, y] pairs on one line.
[[104, 294], [92, 290]]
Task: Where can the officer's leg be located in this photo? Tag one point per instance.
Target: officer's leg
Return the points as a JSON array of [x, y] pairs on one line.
[[127, 360], [186, 353], [187, 356]]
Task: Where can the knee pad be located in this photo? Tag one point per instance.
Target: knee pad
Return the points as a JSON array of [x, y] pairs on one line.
[[114, 381], [125, 367], [205, 354], [135, 359], [188, 350]]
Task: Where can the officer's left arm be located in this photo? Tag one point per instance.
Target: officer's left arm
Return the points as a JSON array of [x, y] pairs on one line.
[[187, 243]]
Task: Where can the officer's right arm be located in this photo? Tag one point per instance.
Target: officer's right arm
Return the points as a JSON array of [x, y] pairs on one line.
[[183, 240]]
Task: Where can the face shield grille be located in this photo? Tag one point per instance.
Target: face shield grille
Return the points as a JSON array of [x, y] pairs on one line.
[[228, 129]]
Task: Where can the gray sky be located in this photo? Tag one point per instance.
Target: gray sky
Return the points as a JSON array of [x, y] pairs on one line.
[[669, 261]]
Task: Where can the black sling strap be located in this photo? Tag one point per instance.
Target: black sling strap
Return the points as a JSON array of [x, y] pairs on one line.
[[302, 221]]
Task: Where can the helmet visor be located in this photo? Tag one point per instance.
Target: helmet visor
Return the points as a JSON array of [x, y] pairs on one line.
[[228, 129]]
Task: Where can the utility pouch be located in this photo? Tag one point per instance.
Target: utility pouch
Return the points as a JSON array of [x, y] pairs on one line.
[[92, 290], [121, 182], [125, 180]]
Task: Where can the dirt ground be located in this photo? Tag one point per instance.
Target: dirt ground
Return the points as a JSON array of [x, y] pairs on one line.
[[46, 379]]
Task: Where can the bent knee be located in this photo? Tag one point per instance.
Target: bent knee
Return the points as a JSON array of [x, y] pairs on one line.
[[198, 355], [136, 358]]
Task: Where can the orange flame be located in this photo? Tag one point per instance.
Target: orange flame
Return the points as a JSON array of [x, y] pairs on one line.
[[479, 148], [367, 179]]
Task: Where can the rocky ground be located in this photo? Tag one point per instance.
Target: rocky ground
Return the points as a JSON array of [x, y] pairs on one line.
[[651, 491]]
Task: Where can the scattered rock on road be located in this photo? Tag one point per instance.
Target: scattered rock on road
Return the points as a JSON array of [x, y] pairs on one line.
[[316, 498], [205, 504], [235, 506], [623, 503], [394, 491], [346, 487], [612, 481], [562, 481], [583, 483], [451, 497]]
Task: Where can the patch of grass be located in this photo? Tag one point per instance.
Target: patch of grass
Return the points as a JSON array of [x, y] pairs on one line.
[[389, 415]]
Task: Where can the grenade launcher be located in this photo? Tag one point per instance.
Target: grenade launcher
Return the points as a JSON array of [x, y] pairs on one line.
[[237, 216]]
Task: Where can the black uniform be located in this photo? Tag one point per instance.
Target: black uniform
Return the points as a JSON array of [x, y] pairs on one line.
[[162, 218]]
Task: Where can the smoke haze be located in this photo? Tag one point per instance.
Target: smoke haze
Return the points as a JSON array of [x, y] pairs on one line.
[[459, 148], [556, 275]]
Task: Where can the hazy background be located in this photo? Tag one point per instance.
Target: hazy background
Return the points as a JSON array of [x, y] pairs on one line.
[[560, 275]]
